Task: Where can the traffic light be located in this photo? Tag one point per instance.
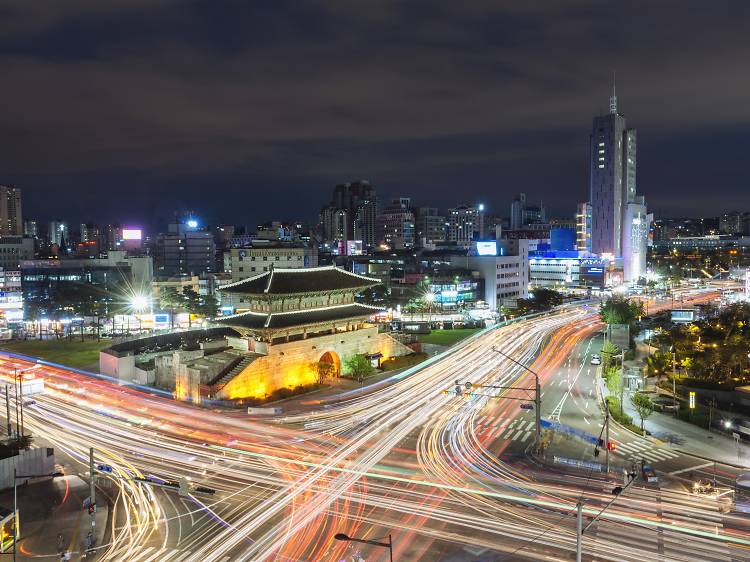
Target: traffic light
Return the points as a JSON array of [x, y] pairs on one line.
[[600, 443], [611, 445], [92, 508], [596, 452]]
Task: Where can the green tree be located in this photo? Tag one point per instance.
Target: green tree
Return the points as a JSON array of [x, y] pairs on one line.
[[209, 306], [358, 367], [171, 299], [609, 350], [620, 310], [643, 405], [324, 371], [613, 380], [191, 303], [546, 298]]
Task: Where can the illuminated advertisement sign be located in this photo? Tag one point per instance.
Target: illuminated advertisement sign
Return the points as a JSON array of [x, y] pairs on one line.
[[486, 248], [131, 234]]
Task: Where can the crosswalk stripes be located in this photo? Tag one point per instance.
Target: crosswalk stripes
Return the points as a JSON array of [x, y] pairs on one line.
[[668, 543], [644, 449]]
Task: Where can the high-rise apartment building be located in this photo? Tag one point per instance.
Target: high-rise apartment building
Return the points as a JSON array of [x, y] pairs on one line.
[[352, 214], [619, 221], [11, 218]]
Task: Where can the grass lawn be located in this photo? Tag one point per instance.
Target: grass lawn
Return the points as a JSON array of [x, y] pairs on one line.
[[447, 337], [73, 353]]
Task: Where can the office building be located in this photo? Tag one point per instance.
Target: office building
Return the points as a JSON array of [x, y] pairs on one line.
[[11, 218], [583, 227], [619, 222], [395, 225], [463, 225], [505, 274], [15, 249], [522, 214], [430, 226], [259, 257], [184, 250]]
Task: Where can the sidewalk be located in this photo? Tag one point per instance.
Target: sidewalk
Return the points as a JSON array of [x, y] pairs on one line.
[[691, 439], [51, 507]]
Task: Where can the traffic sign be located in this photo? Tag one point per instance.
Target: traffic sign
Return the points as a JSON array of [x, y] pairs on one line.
[[526, 406], [104, 468], [468, 385]]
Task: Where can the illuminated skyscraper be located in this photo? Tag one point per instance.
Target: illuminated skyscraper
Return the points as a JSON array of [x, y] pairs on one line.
[[619, 222]]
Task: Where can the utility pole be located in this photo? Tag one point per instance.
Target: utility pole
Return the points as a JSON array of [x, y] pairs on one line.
[[711, 406], [538, 412], [92, 488], [7, 410], [20, 386], [606, 429], [674, 379], [579, 530], [617, 491], [537, 397]]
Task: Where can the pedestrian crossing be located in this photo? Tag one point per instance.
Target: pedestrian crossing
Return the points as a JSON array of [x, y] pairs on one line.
[[492, 428], [641, 449], [155, 554], [669, 542]]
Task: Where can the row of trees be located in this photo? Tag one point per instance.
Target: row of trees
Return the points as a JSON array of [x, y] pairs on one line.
[[715, 350], [100, 302], [618, 309]]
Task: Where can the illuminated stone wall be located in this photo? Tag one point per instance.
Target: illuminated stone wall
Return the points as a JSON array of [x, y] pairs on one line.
[[294, 364]]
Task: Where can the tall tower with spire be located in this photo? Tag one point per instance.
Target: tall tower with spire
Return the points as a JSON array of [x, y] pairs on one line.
[[618, 214]]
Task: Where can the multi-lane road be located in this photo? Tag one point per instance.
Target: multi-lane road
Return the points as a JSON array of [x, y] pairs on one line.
[[448, 477]]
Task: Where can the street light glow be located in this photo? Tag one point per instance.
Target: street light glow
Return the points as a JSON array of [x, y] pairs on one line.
[[139, 302]]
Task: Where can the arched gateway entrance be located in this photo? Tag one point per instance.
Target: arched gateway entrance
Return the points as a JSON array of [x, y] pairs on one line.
[[329, 365]]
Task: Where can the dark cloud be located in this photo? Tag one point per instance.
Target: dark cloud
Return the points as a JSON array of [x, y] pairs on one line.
[[252, 110]]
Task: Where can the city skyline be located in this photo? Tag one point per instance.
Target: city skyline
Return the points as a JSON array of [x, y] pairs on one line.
[[448, 101]]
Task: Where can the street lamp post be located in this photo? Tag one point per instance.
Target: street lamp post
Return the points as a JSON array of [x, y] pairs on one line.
[[347, 538]]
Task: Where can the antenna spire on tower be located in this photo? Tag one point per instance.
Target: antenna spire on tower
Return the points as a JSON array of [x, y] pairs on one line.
[[613, 97]]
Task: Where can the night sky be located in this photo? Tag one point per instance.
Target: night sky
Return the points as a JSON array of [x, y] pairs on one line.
[[125, 110]]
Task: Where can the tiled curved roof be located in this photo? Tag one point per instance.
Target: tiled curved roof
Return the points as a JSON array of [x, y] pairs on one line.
[[276, 320], [294, 281]]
